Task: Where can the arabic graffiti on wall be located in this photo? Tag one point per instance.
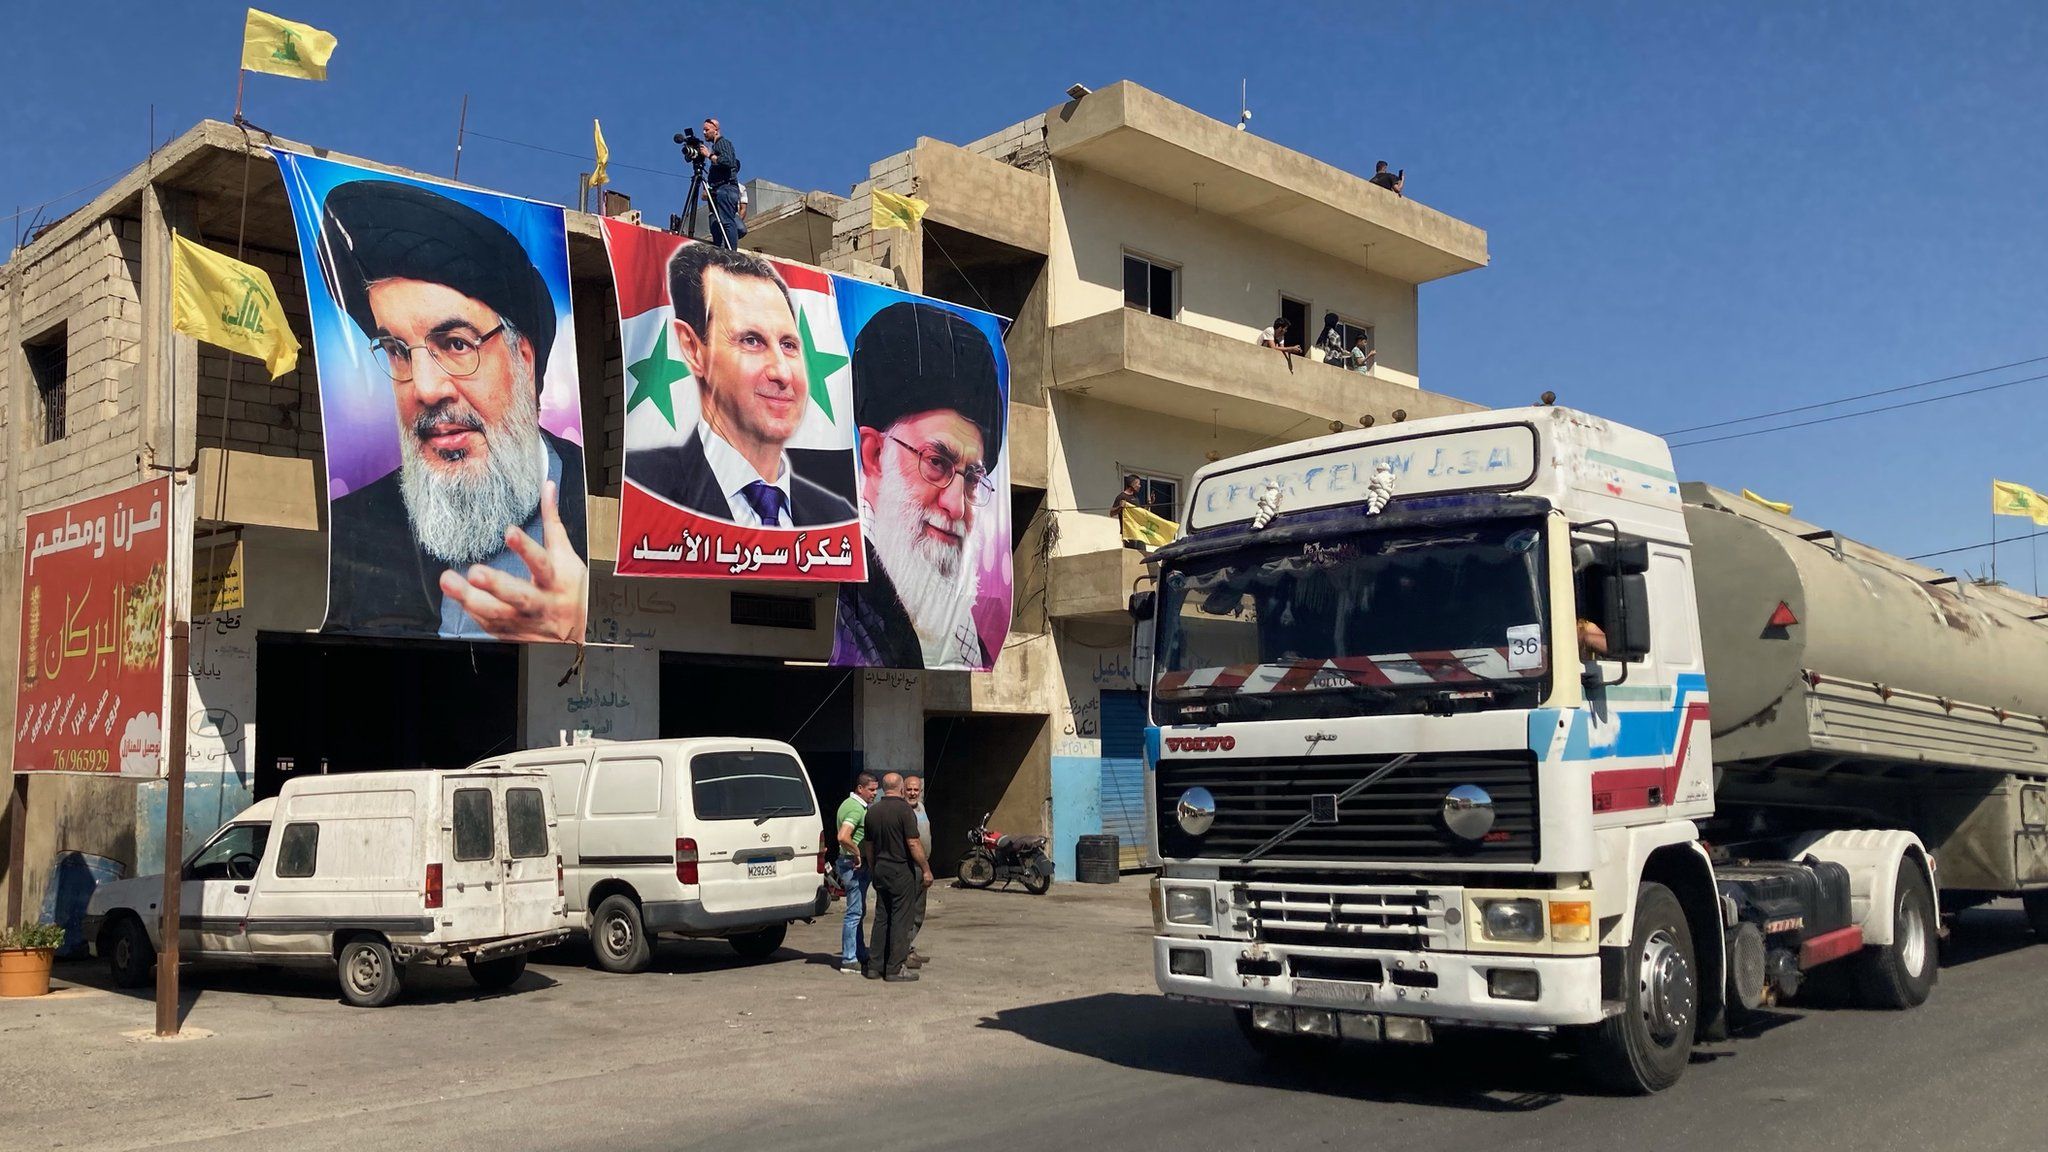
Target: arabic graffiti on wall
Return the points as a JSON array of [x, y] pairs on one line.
[[90, 694]]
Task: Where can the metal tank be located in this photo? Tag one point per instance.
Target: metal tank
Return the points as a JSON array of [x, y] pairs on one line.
[[1892, 694]]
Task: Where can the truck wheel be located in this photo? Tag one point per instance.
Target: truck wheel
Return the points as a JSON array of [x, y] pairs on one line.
[[977, 871], [1283, 1048], [755, 947], [619, 938], [497, 975], [1646, 1047], [2036, 904], [1901, 974], [130, 956], [370, 975]]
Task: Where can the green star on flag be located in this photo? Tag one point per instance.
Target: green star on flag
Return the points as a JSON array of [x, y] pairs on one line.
[[818, 365], [653, 376]]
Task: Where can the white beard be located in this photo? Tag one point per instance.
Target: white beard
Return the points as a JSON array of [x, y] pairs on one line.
[[460, 519], [936, 582]]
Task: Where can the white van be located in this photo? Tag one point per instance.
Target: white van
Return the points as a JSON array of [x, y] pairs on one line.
[[369, 872], [699, 837]]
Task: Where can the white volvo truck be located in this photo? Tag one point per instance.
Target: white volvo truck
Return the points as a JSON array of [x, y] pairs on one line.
[[1433, 746]]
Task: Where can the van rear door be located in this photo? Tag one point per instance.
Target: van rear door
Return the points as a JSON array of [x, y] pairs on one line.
[[532, 900], [472, 869], [756, 826]]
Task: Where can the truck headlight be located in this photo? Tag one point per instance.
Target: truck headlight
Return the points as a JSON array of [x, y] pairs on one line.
[[1511, 921], [1189, 906]]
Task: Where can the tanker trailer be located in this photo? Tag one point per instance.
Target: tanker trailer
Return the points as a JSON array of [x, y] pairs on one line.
[[1856, 689]]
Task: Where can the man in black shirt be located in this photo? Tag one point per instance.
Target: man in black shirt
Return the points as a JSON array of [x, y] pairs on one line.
[[900, 871], [723, 177], [1391, 181]]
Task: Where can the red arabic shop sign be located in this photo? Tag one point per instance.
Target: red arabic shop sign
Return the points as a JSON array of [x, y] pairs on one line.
[[90, 696]]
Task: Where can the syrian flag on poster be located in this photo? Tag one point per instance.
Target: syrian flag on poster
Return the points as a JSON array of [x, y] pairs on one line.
[[678, 515]]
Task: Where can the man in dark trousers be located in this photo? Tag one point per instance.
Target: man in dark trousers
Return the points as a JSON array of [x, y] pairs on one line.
[[897, 863]]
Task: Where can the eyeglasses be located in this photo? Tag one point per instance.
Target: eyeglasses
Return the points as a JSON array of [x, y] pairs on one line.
[[457, 352], [939, 469]]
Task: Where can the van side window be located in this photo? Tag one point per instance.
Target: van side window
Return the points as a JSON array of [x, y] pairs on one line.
[[472, 824], [526, 822], [626, 786], [565, 780], [298, 851], [748, 785]]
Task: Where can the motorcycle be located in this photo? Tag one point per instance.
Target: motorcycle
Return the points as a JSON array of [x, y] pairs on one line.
[[992, 856]]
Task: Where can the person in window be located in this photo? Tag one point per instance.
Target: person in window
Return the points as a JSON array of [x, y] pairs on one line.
[[1362, 354], [1331, 342], [1128, 498], [1275, 336]]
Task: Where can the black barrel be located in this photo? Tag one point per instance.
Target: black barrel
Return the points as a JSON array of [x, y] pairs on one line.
[[1096, 860]]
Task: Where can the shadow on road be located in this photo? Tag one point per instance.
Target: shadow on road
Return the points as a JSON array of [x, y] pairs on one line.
[[1985, 933], [424, 984], [1487, 1072], [680, 956]]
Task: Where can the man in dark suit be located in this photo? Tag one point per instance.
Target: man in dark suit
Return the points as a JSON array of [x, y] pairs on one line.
[[932, 411], [737, 331], [480, 530]]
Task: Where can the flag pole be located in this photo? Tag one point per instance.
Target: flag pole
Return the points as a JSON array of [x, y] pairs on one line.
[[461, 127], [241, 78], [1994, 545]]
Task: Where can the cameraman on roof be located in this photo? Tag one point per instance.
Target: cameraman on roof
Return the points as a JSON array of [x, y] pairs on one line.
[[723, 177]]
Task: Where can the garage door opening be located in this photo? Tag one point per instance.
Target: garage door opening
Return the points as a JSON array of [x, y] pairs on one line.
[[811, 709], [973, 765]]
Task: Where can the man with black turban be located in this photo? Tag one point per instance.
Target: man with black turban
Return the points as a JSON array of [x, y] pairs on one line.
[[931, 411], [480, 531]]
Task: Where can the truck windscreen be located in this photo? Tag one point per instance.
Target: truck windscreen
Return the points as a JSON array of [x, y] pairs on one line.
[[1364, 623]]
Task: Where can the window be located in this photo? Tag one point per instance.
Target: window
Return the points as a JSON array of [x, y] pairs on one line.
[[472, 824], [48, 367], [1150, 286], [1349, 333], [1299, 334], [232, 854], [526, 822], [1159, 495], [298, 851], [748, 786], [626, 787]]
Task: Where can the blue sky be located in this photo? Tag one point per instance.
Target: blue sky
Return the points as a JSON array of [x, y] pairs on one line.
[[1695, 212]]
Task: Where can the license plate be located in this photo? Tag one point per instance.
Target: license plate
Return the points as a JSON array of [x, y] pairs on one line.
[[760, 868], [1333, 991]]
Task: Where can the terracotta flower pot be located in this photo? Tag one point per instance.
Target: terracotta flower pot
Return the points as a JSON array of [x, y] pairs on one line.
[[25, 971]]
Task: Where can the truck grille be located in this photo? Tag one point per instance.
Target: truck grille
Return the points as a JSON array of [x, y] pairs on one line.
[[1346, 918], [1399, 818]]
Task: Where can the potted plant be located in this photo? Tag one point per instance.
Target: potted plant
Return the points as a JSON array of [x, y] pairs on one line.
[[25, 955]]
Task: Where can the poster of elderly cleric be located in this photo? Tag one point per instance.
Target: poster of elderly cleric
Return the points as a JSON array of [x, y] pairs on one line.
[[739, 430], [448, 393], [91, 692], [931, 389]]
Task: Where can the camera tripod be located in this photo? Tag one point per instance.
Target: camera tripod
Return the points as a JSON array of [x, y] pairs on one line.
[[685, 224]]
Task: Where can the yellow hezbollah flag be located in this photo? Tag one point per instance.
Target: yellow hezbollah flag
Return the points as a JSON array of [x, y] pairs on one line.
[[1777, 506], [223, 301], [604, 155], [893, 211], [1143, 527], [2010, 499], [285, 47]]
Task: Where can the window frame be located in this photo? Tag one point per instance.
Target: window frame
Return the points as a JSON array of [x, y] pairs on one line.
[[1153, 265], [49, 368], [455, 826], [1298, 334], [284, 844], [511, 833]]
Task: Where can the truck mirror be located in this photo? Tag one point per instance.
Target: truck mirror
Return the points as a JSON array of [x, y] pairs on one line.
[[1629, 557], [1624, 605], [1142, 605]]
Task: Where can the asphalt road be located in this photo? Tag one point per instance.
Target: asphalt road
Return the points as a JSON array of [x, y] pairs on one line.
[[1036, 1027]]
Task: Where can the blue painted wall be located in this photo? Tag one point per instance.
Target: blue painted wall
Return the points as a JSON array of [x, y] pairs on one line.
[[1076, 808]]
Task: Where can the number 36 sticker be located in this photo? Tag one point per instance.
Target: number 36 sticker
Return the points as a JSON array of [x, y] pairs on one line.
[[1525, 647]]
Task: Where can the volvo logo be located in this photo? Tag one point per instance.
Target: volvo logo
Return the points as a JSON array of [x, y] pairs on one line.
[[1200, 743], [1315, 738], [1468, 812]]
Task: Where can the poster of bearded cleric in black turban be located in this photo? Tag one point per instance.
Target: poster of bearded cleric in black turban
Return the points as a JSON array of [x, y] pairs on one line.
[[448, 396], [931, 399]]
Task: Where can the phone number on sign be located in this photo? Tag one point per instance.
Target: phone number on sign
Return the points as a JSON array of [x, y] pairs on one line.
[[78, 760]]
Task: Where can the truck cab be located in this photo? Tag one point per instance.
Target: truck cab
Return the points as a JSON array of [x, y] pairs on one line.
[[1432, 742]]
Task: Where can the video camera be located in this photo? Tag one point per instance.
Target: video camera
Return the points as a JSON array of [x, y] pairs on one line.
[[694, 150]]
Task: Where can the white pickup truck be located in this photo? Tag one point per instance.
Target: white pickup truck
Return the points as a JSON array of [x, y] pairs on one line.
[[365, 872]]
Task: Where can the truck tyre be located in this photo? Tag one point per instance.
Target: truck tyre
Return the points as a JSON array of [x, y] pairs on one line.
[[497, 975], [618, 937], [2036, 904], [755, 947], [370, 976], [1645, 1048], [130, 956], [1901, 974], [1283, 1049]]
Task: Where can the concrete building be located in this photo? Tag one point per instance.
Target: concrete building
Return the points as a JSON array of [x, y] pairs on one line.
[[1139, 245]]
